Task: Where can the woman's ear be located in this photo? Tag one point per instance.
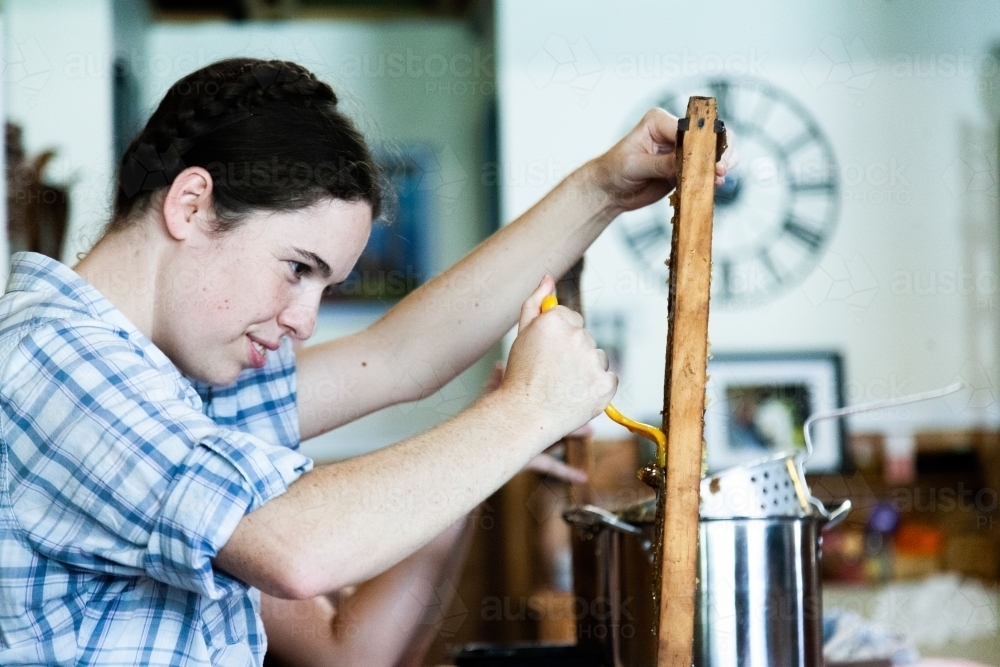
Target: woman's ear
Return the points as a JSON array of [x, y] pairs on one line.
[[188, 203]]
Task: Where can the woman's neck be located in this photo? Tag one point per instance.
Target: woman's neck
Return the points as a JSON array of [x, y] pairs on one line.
[[123, 268]]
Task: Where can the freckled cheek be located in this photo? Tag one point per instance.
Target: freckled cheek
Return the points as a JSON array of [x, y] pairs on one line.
[[269, 305], [250, 297]]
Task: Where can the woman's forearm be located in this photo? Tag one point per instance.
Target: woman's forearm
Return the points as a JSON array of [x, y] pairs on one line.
[[449, 565], [388, 621], [347, 522]]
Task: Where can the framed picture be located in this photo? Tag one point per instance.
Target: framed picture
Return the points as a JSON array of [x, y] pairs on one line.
[[758, 403], [396, 259]]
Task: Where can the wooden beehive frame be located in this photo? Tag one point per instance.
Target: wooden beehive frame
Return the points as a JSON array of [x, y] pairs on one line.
[[698, 147]]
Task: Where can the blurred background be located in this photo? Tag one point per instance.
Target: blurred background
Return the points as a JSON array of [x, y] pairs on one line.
[[857, 245]]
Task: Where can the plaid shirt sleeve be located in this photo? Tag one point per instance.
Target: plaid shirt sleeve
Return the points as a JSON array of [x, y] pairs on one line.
[[114, 469]]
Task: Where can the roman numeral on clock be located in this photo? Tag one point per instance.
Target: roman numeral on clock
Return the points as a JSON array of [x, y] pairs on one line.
[[803, 234], [648, 236], [812, 186], [765, 258], [726, 271], [807, 136], [720, 91]]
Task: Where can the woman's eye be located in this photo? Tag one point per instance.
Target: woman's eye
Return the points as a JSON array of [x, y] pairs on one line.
[[300, 269]]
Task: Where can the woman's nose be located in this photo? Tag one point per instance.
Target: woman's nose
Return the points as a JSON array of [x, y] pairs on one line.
[[299, 318]]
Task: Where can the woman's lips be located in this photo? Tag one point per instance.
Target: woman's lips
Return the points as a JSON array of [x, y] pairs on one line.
[[257, 353]]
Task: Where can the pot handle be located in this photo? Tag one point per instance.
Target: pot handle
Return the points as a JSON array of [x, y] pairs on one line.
[[838, 515], [591, 519]]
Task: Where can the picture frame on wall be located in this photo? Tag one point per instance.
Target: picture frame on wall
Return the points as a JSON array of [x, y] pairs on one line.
[[397, 258], [759, 401]]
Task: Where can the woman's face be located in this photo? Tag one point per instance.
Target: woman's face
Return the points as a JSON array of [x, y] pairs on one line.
[[233, 296]]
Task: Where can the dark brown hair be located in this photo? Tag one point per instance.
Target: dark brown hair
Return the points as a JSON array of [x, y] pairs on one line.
[[268, 131]]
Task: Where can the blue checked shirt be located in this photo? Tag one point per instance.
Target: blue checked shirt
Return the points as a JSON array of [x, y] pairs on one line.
[[121, 480]]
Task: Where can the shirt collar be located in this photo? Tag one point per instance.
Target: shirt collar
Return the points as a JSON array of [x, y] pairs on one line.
[[32, 272]]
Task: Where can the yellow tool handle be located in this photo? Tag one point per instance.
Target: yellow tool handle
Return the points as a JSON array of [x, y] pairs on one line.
[[645, 430]]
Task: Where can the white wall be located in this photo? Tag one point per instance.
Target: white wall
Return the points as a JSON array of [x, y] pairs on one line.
[[412, 82], [924, 208], [57, 72]]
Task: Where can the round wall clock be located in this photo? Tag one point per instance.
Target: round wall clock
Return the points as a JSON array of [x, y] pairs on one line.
[[778, 208]]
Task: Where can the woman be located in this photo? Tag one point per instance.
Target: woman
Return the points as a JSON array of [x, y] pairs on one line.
[[155, 505]]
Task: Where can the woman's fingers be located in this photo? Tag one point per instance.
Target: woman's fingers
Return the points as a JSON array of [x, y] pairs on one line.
[[532, 306], [661, 126], [549, 465], [602, 359], [554, 370], [730, 158], [659, 166]]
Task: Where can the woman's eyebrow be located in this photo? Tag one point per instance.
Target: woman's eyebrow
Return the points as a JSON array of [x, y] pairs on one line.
[[323, 267]]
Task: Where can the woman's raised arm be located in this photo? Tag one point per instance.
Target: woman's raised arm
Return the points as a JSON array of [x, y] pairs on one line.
[[443, 327]]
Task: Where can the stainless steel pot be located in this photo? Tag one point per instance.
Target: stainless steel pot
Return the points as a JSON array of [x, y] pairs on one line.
[[758, 598]]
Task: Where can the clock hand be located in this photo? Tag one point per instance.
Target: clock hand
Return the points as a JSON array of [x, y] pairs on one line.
[[645, 430]]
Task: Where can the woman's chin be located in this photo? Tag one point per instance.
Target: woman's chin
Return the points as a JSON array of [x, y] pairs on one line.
[[223, 379], [217, 375]]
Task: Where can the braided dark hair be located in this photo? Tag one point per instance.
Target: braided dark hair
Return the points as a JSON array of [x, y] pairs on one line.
[[268, 131]]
